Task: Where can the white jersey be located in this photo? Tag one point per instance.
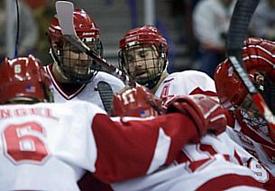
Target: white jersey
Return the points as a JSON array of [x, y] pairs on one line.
[[43, 142], [48, 146], [186, 83], [88, 92], [217, 163], [205, 166]]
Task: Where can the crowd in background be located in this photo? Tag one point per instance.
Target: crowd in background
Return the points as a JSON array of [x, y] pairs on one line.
[[155, 130], [201, 27]]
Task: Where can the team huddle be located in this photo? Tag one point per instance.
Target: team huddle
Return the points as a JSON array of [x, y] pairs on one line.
[[68, 126]]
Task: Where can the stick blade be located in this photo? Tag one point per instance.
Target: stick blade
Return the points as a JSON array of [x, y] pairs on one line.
[[65, 10]]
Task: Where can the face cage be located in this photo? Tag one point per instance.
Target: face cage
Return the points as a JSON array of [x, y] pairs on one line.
[[267, 88], [143, 63], [75, 65], [249, 111], [257, 122]]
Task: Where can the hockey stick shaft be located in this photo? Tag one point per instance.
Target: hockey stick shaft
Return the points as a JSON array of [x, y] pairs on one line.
[[238, 28], [17, 29]]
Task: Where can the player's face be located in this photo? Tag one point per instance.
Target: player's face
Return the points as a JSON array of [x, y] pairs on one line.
[[142, 61], [76, 61]]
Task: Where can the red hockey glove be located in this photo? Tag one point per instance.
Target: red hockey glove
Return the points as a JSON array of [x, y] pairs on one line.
[[205, 111]]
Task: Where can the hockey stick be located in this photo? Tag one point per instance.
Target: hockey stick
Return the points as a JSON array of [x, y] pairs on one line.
[[64, 11], [17, 29], [238, 28]]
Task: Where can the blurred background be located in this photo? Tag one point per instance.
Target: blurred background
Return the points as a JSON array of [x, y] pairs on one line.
[[113, 17], [184, 23]]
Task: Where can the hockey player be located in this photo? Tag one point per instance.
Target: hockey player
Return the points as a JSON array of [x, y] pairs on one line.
[[47, 146], [249, 129], [215, 163], [74, 74], [143, 56]]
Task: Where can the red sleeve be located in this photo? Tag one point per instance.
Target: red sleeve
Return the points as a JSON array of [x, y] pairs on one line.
[[230, 118], [125, 150], [270, 184]]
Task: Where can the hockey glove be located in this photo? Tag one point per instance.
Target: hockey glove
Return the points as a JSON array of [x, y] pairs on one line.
[[205, 111]]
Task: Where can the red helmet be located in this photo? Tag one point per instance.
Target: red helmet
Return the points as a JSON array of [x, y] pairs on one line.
[[138, 39], [89, 33], [135, 102], [23, 80], [85, 27], [146, 34], [258, 57]]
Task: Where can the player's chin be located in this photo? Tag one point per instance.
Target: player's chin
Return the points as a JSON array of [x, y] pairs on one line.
[[142, 78]]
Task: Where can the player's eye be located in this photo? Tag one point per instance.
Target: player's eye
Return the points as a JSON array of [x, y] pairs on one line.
[[143, 54], [130, 58]]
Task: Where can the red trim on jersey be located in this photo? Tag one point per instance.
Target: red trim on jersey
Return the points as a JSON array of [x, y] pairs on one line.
[[71, 92], [237, 156], [200, 91], [229, 181], [193, 166], [183, 158], [130, 148], [269, 151], [270, 184], [165, 91], [207, 148]]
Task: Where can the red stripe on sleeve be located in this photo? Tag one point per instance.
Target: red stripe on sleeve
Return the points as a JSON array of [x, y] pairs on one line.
[[125, 150], [229, 181]]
